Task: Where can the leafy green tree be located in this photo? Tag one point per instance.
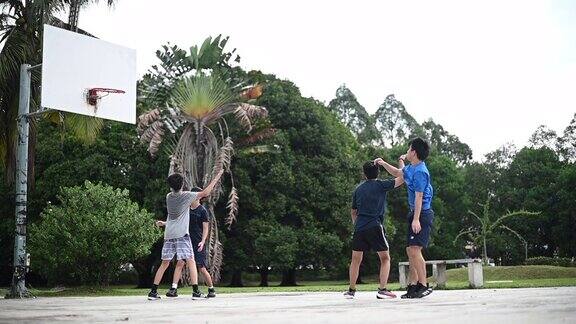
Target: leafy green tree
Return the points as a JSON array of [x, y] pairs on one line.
[[489, 226], [566, 144], [564, 224], [86, 238], [307, 186], [543, 137], [353, 115], [528, 183], [446, 143], [394, 123]]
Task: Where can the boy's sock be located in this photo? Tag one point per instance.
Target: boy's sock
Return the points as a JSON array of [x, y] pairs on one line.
[[195, 288], [211, 287], [154, 287], [174, 285]]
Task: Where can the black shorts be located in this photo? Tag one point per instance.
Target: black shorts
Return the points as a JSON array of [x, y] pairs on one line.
[[423, 237], [200, 256], [372, 238]]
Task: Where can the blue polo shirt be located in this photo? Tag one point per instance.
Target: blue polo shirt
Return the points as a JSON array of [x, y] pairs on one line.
[[417, 179], [369, 199]]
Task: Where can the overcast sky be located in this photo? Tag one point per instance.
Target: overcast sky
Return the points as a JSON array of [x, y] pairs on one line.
[[489, 71]]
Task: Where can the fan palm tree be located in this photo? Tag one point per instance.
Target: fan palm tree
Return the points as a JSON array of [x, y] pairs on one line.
[[488, 227], [201, 144]]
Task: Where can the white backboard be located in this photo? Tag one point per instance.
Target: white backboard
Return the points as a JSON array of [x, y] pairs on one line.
[[73, 63]]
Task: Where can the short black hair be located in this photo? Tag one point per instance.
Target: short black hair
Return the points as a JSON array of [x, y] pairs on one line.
[[198, 189], [175, 181], [421, 147], [370, 170]]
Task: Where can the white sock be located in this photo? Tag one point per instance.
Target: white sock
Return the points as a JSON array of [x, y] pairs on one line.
[[174, 285], [211, 287]]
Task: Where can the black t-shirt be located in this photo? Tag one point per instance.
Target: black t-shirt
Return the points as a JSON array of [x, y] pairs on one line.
[[198, 217], [370, 200]]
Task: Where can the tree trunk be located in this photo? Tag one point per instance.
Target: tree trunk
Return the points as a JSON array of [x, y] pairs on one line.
[[264, 277], [236, 279], [288, 278], [485, 253]]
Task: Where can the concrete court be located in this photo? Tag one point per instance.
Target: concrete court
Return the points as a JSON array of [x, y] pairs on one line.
[[503, 306]]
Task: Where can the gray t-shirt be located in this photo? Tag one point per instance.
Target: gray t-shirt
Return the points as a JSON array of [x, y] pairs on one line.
[[178, 220]]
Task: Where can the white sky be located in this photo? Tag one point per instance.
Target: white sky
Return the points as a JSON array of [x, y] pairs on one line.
[[489, 71]]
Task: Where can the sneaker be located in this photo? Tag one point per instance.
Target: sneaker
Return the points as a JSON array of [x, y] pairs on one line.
[[197, 295], [422, 291], [211, 293], [410, 292], [173, 292], [384, 293], [153, 295], [350, 293]]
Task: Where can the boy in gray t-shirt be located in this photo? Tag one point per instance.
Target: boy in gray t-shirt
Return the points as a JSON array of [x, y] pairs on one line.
[[176, 237]]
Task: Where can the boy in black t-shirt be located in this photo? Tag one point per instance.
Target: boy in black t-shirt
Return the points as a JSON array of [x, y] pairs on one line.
[[199, 227], [368, 208]]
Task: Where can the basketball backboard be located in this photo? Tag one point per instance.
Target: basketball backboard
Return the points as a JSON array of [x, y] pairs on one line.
[[74, 65]]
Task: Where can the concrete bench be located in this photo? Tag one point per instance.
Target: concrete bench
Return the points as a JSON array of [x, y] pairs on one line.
[[475, 273]]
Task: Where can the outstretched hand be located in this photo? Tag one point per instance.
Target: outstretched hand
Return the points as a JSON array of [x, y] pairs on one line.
[[379, 161]]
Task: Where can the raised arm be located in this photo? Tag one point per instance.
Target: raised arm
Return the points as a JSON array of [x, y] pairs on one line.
[[208, 190], [394, 171]]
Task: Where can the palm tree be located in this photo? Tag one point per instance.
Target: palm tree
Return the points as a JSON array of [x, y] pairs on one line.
[[195, 90], [202, 145], [488, 227], [21, 27]]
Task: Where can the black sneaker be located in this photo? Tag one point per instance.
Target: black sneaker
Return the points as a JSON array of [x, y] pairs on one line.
[[410, 292], [422, 291], [350, 293], [197, 295], [153, 295], [384, 293], [211, 293], [173, 292]]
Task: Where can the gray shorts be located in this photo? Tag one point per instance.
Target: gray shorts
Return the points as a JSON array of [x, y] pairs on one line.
[[181, 247]]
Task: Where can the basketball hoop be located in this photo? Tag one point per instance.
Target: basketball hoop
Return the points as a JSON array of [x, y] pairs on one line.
[[94, 95]]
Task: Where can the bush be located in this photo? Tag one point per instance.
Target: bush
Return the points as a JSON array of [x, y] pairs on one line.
[[87, 238], [559, 262]]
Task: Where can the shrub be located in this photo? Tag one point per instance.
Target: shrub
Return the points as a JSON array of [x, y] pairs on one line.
[[88, 237], [559, 262]]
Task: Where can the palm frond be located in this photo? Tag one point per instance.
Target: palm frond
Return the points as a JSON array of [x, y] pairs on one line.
[[146, 119], [225, 156], [477, 217], [499, 221], [232, 207], [462, 233], [257, 137], [520, 237], [86, 128], [200, 95]]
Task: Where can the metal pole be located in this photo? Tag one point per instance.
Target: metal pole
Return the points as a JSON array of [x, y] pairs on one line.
[[21, 262]]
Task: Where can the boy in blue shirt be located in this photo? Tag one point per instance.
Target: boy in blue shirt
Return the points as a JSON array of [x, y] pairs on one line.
[[421, 216], [368, 208]]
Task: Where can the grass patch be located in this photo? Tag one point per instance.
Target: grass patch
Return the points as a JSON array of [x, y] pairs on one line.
[[515, 273], [520, 277]]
